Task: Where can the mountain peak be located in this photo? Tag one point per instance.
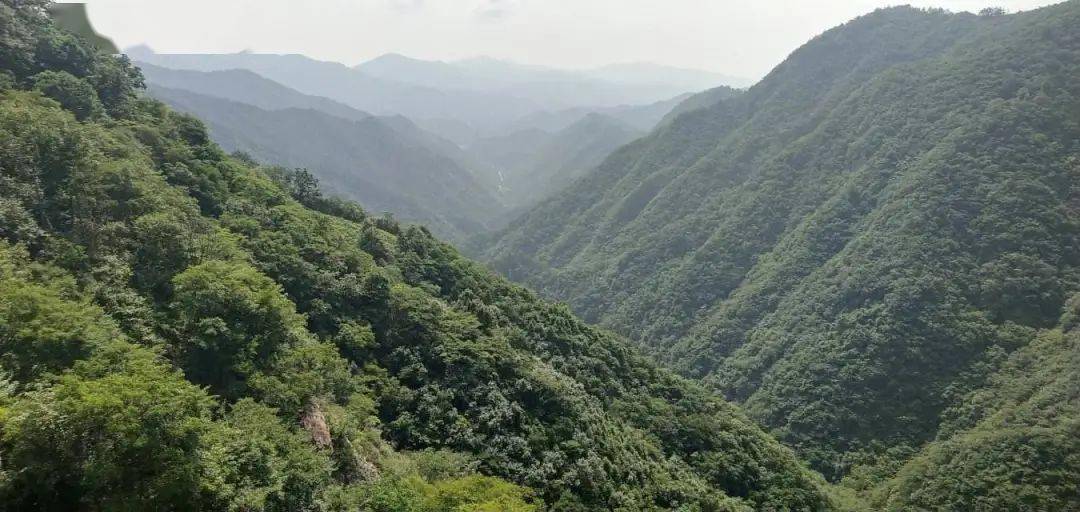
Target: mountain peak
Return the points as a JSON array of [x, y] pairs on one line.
[[394, 58], [140, 51]]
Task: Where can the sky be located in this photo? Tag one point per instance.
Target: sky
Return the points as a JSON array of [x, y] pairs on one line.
[[743, 38]]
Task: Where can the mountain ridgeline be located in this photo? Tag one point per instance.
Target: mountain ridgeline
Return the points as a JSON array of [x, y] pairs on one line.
[[389, 163], [483, 94], [872, 249], [185, 330]]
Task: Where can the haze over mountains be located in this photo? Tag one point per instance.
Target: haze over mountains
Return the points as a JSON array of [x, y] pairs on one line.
[[485, 94], [392, 154]]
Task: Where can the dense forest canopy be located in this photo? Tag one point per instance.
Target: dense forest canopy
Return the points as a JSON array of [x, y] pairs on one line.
[[181, 329], [869, 249]]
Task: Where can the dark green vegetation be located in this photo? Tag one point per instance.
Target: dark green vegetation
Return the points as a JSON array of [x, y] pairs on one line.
[[529, 165], [1009, 446], [72, 18], [184, 330], [868, 249]]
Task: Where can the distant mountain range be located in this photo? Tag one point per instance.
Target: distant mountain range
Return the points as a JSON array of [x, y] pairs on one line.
[[483, 94], [385, 162], [462, 171], [246, 87]]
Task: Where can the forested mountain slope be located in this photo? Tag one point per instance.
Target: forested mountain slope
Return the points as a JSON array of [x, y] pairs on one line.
[[1013, 445], [497, 175], [384, 167], [182, 330], [852, 246]]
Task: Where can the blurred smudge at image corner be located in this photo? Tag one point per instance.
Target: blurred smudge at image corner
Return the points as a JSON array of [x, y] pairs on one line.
[[72, 16]]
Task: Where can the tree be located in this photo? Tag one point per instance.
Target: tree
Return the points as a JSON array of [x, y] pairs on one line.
[[230, 320], [120, 432], [73, 93], [45, 325], [116, 81]]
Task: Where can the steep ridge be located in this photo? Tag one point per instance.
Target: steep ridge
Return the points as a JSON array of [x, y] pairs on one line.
[[848, 247], [184, 330]]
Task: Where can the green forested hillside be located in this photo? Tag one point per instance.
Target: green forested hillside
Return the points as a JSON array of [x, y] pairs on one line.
[[854, 246], [1013, 445], [184, 330]]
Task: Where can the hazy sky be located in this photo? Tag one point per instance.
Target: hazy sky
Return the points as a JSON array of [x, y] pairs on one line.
[[743, 38]]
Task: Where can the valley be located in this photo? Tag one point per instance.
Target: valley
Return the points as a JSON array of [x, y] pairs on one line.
[[263, 281]]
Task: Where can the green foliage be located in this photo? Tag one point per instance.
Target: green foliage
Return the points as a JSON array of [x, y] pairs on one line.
[[74, 94], [1013, 445], [45, 324], [230, 320], [853, 245], [477, 494], [432, 481], [182, 330], [30, 43], [120, 432], [257, 463]]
